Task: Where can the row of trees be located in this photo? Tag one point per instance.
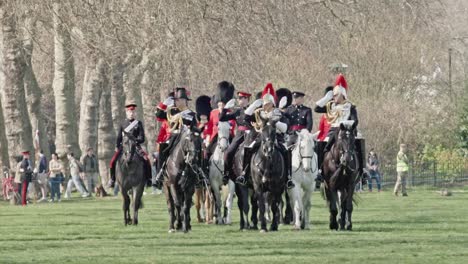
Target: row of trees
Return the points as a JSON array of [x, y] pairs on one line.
[[68, 66]]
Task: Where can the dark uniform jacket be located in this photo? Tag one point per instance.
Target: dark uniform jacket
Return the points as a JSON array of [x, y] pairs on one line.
[[242, 120], [138, 132], [300, 117], [26, 170]]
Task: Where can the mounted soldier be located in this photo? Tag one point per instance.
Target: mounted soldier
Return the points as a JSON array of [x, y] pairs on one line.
[[132, 128], [225, 93], [337, 109], [242, 129], [268, 111], [176, 112]]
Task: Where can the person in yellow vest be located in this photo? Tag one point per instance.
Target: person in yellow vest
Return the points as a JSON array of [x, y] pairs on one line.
[[402, 171]]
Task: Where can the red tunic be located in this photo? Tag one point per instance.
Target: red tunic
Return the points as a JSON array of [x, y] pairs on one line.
[[324, 127], [212, 125], [164, 132]]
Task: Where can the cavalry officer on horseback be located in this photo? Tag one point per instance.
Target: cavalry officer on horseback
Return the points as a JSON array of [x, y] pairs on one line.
[[132, 128], [267, 111], [176, 116], [337, 108], [242, 129], [225, 93]]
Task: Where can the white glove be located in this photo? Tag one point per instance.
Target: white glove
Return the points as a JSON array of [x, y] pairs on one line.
[[283, 102], [256, 104], [281, 127], [322, 102], [230, 104], [169, 102]]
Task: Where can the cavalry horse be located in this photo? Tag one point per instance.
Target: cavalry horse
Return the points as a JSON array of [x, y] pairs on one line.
[[341, 167], [268, 174], [130, 175], [216, 172], [242, 191], [304, 171], [180, 176]]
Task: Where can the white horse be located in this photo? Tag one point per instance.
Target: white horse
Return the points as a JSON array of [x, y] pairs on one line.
[[304, 171], [217, 168]]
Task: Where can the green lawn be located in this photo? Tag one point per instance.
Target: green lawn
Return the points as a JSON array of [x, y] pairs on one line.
[[422, 228]]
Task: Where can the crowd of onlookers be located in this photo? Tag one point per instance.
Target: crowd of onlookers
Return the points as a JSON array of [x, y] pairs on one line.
[[51, 177]]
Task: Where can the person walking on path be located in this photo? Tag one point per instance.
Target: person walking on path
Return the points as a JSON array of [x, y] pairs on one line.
[[75, 177]]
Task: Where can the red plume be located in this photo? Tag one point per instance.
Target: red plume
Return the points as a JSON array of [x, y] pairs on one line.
[[340, 80]]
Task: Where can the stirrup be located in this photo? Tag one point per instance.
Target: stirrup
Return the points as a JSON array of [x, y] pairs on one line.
[[241, 180]]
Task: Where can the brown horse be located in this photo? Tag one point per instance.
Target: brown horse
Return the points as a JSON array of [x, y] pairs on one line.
[[340, 169], [180, 176]]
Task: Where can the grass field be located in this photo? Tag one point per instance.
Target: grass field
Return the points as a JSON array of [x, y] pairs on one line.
[[422, 228]]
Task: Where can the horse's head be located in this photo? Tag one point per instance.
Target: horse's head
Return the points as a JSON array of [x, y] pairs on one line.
[[128, 144], [268, 137], [223, 135], [306, 147], [192, 145], [345, 143]]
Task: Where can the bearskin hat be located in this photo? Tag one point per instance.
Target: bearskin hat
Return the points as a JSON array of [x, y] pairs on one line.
[[281, 92], [225, 91], [203, 106]]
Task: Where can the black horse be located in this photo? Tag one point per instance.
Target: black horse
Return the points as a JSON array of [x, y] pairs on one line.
[[130, 175], [180, 176], [242, 191], [340, 167], [268, 175]]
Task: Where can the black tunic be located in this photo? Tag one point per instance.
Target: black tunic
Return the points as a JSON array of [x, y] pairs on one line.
[[138, 132], [300, 115]]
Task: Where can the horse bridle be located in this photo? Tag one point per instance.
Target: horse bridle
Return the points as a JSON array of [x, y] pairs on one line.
[[298, 145], [350, 151], [219, 141]]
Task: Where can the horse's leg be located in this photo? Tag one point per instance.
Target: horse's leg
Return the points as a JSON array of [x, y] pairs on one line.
[[209, 206], [275, 209], [332, 200], [229, 201], [262, 209], [198, 199], [137, 203], [126, 206], [349, 209], [218, 203], [288, 213], [240, 200], [254, 216], [306, 205], [296, 203], [170, 207], [342, 201], [185, 212]]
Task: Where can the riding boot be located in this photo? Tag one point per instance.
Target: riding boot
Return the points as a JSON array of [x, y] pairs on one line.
[[289, 183], [242, 179], [320, 156], [113, 163], [158, 181]]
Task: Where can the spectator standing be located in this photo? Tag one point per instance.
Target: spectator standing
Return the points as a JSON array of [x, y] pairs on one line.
[[55, 167], [402, 171], [75, 169], [90, 170], [42, 175], [26, 171], [373, 164]]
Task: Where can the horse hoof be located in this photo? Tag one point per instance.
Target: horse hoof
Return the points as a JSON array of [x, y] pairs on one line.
[[254, 227], [296, 228], [263, 231], [171, 231], [349, 228]]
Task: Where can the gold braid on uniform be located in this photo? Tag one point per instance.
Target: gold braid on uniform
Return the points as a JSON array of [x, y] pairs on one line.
[[258, 124], [174, 123], [333, 116]]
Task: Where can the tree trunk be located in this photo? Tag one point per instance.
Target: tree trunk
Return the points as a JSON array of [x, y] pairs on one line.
[[15, 113], [150, 100], [106, 132], [4, 162], [66, 138], [94, 80], [33, 92], [117, 93]]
